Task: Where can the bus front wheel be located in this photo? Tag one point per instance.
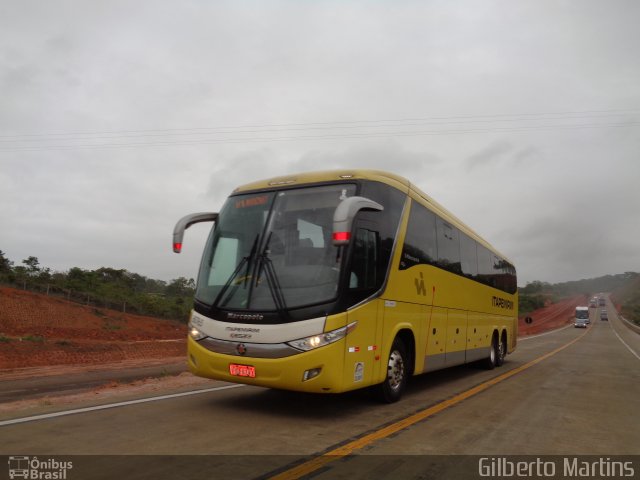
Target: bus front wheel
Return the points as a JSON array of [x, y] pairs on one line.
[[391, 389]]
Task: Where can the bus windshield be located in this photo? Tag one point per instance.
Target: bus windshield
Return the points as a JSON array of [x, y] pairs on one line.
[[273, 250], [582, 313]]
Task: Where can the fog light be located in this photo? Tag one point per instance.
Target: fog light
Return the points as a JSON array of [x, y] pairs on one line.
[[309, 374]]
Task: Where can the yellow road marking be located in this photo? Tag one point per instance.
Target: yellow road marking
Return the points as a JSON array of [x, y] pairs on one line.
[[349, 448]]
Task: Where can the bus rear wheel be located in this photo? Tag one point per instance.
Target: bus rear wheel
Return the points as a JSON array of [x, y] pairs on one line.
[[501, 352], [492, 360], [391, 389]]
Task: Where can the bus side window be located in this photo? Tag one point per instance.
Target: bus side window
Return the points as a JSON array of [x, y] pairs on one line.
[[448, 246], [420, 241], [364, 264], [468, 256], [485, 266]]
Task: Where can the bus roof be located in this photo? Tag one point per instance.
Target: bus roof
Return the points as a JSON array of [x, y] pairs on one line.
[[391, 179], [396, 181]]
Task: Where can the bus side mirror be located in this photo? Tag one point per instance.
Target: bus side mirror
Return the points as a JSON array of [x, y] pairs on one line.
[[186, 222], [343, 217]]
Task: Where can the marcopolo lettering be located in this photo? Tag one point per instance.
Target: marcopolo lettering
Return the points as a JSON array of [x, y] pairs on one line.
[[502, 303]]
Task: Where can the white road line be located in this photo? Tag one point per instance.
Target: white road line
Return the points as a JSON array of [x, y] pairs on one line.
[[113, 405], [543, 334], [625, 343]]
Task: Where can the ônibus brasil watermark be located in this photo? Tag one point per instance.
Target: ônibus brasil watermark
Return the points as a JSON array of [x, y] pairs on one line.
[[34, 468]]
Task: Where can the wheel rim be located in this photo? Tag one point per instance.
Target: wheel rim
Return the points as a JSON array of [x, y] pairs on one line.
[[492, 355], [501, 350], [395, 370]]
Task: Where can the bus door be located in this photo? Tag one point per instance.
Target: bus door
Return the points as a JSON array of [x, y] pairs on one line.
[[360, 367], [363, 343]]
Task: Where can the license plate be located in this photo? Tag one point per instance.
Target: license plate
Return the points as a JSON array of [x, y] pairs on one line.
[[242, 370]]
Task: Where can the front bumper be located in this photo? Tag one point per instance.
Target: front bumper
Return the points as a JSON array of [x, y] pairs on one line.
[[283, 373]]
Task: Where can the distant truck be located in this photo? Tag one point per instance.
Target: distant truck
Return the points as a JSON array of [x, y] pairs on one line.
[[593, 303], [604, 315], [582, 317], [602, 302]]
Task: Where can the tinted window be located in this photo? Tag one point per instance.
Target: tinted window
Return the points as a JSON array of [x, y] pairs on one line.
[[468, 256], [386, 222], [495, 271], [507, 277], [486, 272], [448, 239], [365, 258], [420, 240], [432, 240]]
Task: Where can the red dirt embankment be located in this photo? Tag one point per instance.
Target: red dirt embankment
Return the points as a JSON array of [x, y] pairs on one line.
[[551, 317], [37, 330]]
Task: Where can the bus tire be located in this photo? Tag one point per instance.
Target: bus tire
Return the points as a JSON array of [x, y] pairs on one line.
[[491, 361], [390, 390], [501, 352]]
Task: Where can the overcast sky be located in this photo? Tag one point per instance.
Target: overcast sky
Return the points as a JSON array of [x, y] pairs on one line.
[[521, 117]]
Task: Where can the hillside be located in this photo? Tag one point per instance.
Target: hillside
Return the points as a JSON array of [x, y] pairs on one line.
[[627, 300], [625, 289], [37, 330]]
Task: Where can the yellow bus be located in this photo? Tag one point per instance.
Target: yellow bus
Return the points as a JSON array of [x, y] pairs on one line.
[[332, 281]]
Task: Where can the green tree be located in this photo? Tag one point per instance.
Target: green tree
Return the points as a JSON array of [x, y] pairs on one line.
[[33, 266], [20, 274], [76, 279], [181, 287], [5, 263], [45, 275]]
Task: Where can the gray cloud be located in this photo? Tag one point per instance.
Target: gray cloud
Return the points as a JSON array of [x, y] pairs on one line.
[[521, 120], [489, 155]]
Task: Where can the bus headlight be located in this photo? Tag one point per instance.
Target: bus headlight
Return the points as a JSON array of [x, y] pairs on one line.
[[322, 339], [195, 334]]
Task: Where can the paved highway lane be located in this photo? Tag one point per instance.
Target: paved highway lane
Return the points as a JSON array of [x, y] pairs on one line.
[[580, 400], [14, 389]]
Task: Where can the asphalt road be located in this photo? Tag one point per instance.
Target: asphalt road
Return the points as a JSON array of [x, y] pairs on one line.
[[75, 382], [578, 397]]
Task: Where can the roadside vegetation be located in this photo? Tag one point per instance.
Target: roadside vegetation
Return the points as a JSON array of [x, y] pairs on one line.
[[628, 297], [625, 289], [130, 292], [105, 287]]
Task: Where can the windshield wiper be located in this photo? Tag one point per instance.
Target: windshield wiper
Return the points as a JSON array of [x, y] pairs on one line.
[[245, 260], [266, 264]]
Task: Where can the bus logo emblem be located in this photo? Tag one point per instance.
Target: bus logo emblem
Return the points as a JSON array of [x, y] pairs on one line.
[[241, 349]]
